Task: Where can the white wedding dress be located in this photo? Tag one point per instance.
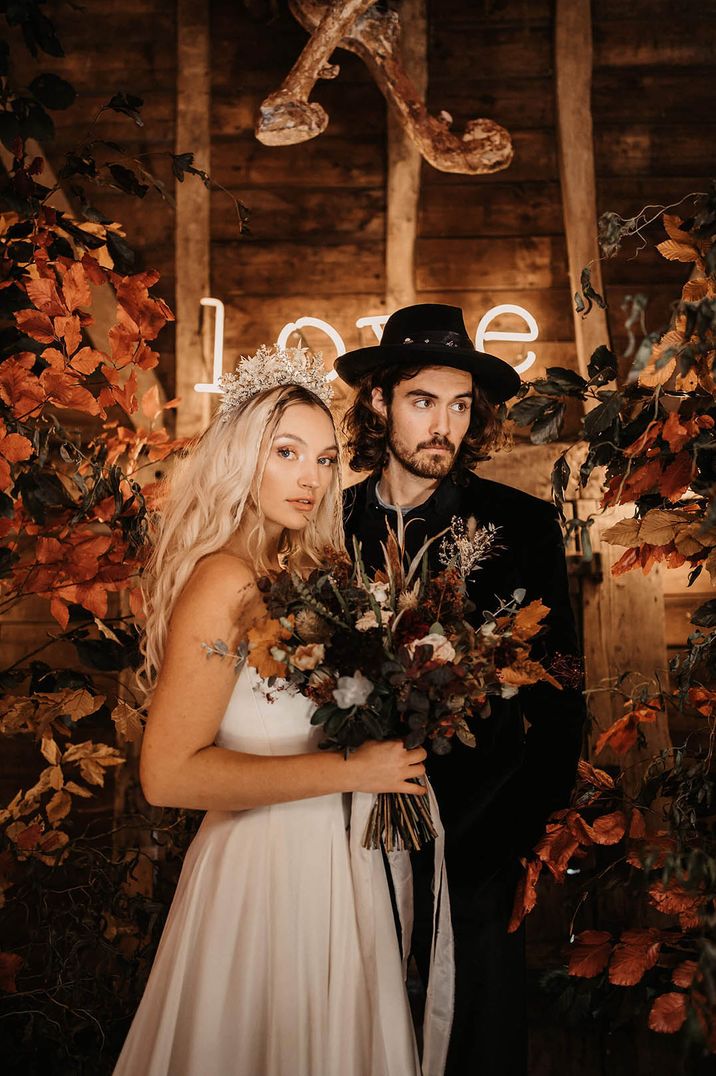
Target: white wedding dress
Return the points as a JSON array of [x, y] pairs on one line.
[[279, 956]]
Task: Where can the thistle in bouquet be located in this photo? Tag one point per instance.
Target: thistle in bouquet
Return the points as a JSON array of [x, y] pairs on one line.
[[391, 655]]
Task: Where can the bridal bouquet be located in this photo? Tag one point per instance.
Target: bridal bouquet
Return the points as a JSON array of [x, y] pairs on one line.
[[392, 655]]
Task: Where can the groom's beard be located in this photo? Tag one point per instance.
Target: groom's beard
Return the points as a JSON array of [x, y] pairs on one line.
[[420, 461]]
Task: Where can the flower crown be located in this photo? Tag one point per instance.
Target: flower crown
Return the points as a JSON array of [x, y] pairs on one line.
[[270, 368]]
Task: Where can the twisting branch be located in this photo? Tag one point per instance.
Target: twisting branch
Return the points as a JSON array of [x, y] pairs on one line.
[[287, 116]]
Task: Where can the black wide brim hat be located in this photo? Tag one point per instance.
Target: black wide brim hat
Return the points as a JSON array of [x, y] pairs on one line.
[[430, 334]]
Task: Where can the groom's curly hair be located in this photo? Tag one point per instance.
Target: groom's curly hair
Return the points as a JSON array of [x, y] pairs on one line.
[[366, 432]]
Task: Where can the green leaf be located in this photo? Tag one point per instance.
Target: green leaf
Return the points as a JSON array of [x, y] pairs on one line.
[[528, 410], [603, 416], [705, 615], [548, 425], [52, 91]]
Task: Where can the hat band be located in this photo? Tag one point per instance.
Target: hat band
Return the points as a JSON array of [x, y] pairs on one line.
[[431, 336]]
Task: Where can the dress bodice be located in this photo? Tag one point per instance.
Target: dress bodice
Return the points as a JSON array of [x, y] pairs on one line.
[[267, 721]]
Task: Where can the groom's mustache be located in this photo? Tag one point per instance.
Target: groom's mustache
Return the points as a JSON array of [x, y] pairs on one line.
[[437, 442]]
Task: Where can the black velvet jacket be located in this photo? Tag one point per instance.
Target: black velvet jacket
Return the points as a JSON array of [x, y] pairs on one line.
[[494, 799]]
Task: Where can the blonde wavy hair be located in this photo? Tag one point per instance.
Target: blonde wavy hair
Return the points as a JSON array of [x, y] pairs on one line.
[[204, 502]]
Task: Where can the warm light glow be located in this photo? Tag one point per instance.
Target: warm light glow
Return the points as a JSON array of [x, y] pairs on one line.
[[218, 368], [508, 308], [376, 322]]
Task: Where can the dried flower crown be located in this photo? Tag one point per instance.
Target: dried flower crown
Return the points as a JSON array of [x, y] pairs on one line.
[[270, 368]]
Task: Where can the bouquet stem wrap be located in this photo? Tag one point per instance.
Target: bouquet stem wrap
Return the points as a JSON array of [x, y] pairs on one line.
[[400, 823], [440, 991]]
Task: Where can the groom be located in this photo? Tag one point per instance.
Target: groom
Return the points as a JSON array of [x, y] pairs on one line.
[[423, 416]]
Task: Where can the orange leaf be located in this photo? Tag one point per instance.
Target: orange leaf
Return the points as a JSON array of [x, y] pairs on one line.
[[596, 777], [557, 847], [87, 359], [528, 620], [75, 287], [622, 735], [683, 975], [636, 952], [67, 328], [36, 325], [526, 893], [265, 635], [44, 294], [675, 433], [631, 558], [637, 826], [677, 252], [19, 388], [150, 405], [58, 806], [676, 479], [590, 952], [15, 448], [609, 829], [668, 1012], [64, 390]]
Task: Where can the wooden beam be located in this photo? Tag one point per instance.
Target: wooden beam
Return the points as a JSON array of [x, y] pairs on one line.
[[192, 236], [104, 302], [404, 166], [573, 87]]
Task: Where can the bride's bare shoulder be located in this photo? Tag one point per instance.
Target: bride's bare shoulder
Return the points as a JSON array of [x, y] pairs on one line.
[[220, 582]]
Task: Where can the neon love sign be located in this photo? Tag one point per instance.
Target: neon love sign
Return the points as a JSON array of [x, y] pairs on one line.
[[376, 322]]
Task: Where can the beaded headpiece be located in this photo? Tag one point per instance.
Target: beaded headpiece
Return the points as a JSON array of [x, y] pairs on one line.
[[270, 368]]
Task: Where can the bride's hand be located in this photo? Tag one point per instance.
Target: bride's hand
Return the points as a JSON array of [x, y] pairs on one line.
[[386, 766]]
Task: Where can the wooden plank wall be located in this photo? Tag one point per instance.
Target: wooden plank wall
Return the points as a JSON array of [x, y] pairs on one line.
[[316, 244]]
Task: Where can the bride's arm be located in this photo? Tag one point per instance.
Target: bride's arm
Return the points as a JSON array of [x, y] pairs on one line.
[[181, 767]]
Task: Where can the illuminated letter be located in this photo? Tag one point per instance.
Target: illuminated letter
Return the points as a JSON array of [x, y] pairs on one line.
[[508, 308], [376, 322], [315, 323], [218, 345]]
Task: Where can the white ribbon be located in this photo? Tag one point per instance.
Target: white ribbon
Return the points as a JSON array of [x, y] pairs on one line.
[[368, 869]]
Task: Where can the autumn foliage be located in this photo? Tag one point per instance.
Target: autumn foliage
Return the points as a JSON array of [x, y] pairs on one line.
[[652, 436]]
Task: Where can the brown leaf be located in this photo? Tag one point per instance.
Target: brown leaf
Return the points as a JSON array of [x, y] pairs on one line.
[[590, 953], [10, 964], [636, 952], [264, 636], [678, 252], [64, 390], [526, 893], [68, 328], [78, 790], [676, 479], [75, 287], [596, 777], [87, 359], [668, 1012], [50, 750], [58, 807], [150, 405], [672, 227], [694, 291], [624, 532], [637, 825], [659, 526], [127, 722], [15, 448], [609, 829], [622, 735], [683, 974], [528, 619], [43, 293], [36, 325]]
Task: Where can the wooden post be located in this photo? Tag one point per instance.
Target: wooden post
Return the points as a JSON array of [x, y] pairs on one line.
[[573, 87], [623, 616], [404, 163], [192, 235]]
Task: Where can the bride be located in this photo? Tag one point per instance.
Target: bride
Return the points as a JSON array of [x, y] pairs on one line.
[[279, 956]]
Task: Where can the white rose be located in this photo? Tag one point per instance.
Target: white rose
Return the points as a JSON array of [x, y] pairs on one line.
[[369, 620], [380, 591], [352, 690], [508, 691], [443, 650]]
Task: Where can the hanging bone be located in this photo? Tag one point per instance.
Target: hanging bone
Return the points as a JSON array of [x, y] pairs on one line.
[[287, 116]]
